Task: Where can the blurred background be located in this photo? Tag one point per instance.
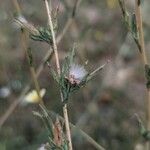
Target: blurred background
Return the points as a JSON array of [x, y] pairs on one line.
[[106, 107]]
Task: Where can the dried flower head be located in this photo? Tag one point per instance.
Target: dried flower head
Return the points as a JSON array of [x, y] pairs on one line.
[[20, 20], [76, 74], [36, 33]]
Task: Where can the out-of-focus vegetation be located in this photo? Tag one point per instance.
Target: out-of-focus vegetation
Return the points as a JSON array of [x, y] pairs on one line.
[[105, 108]]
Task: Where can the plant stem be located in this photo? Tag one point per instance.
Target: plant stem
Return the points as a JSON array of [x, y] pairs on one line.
[[65, 112], [15, 2], [140, 30], [144, 58]]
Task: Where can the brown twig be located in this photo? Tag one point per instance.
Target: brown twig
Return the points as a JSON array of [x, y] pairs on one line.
[[144, 58], [141, 45], [140, 30]]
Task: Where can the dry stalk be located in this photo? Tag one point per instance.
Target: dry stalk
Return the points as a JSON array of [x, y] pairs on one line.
[[144, 59], [15, 3], [65, 112]]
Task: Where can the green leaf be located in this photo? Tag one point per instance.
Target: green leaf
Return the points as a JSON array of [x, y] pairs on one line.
[[44, 35], [147, 74], [134, 26], [55, 75], [47, 121], [72, 55], [30, 57], [143, 131]]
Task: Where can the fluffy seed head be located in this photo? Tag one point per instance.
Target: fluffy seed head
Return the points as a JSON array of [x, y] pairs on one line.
[[76, 73]]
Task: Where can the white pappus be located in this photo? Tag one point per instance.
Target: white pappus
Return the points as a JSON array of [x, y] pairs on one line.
[[76, 73]]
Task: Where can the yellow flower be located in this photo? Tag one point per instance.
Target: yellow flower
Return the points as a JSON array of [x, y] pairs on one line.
[[32, 97]]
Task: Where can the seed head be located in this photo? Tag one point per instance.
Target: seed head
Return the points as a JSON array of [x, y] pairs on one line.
[[76, 74]]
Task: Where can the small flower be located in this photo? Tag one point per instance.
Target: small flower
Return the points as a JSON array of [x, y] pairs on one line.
[[32, 97], [76, 74]]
